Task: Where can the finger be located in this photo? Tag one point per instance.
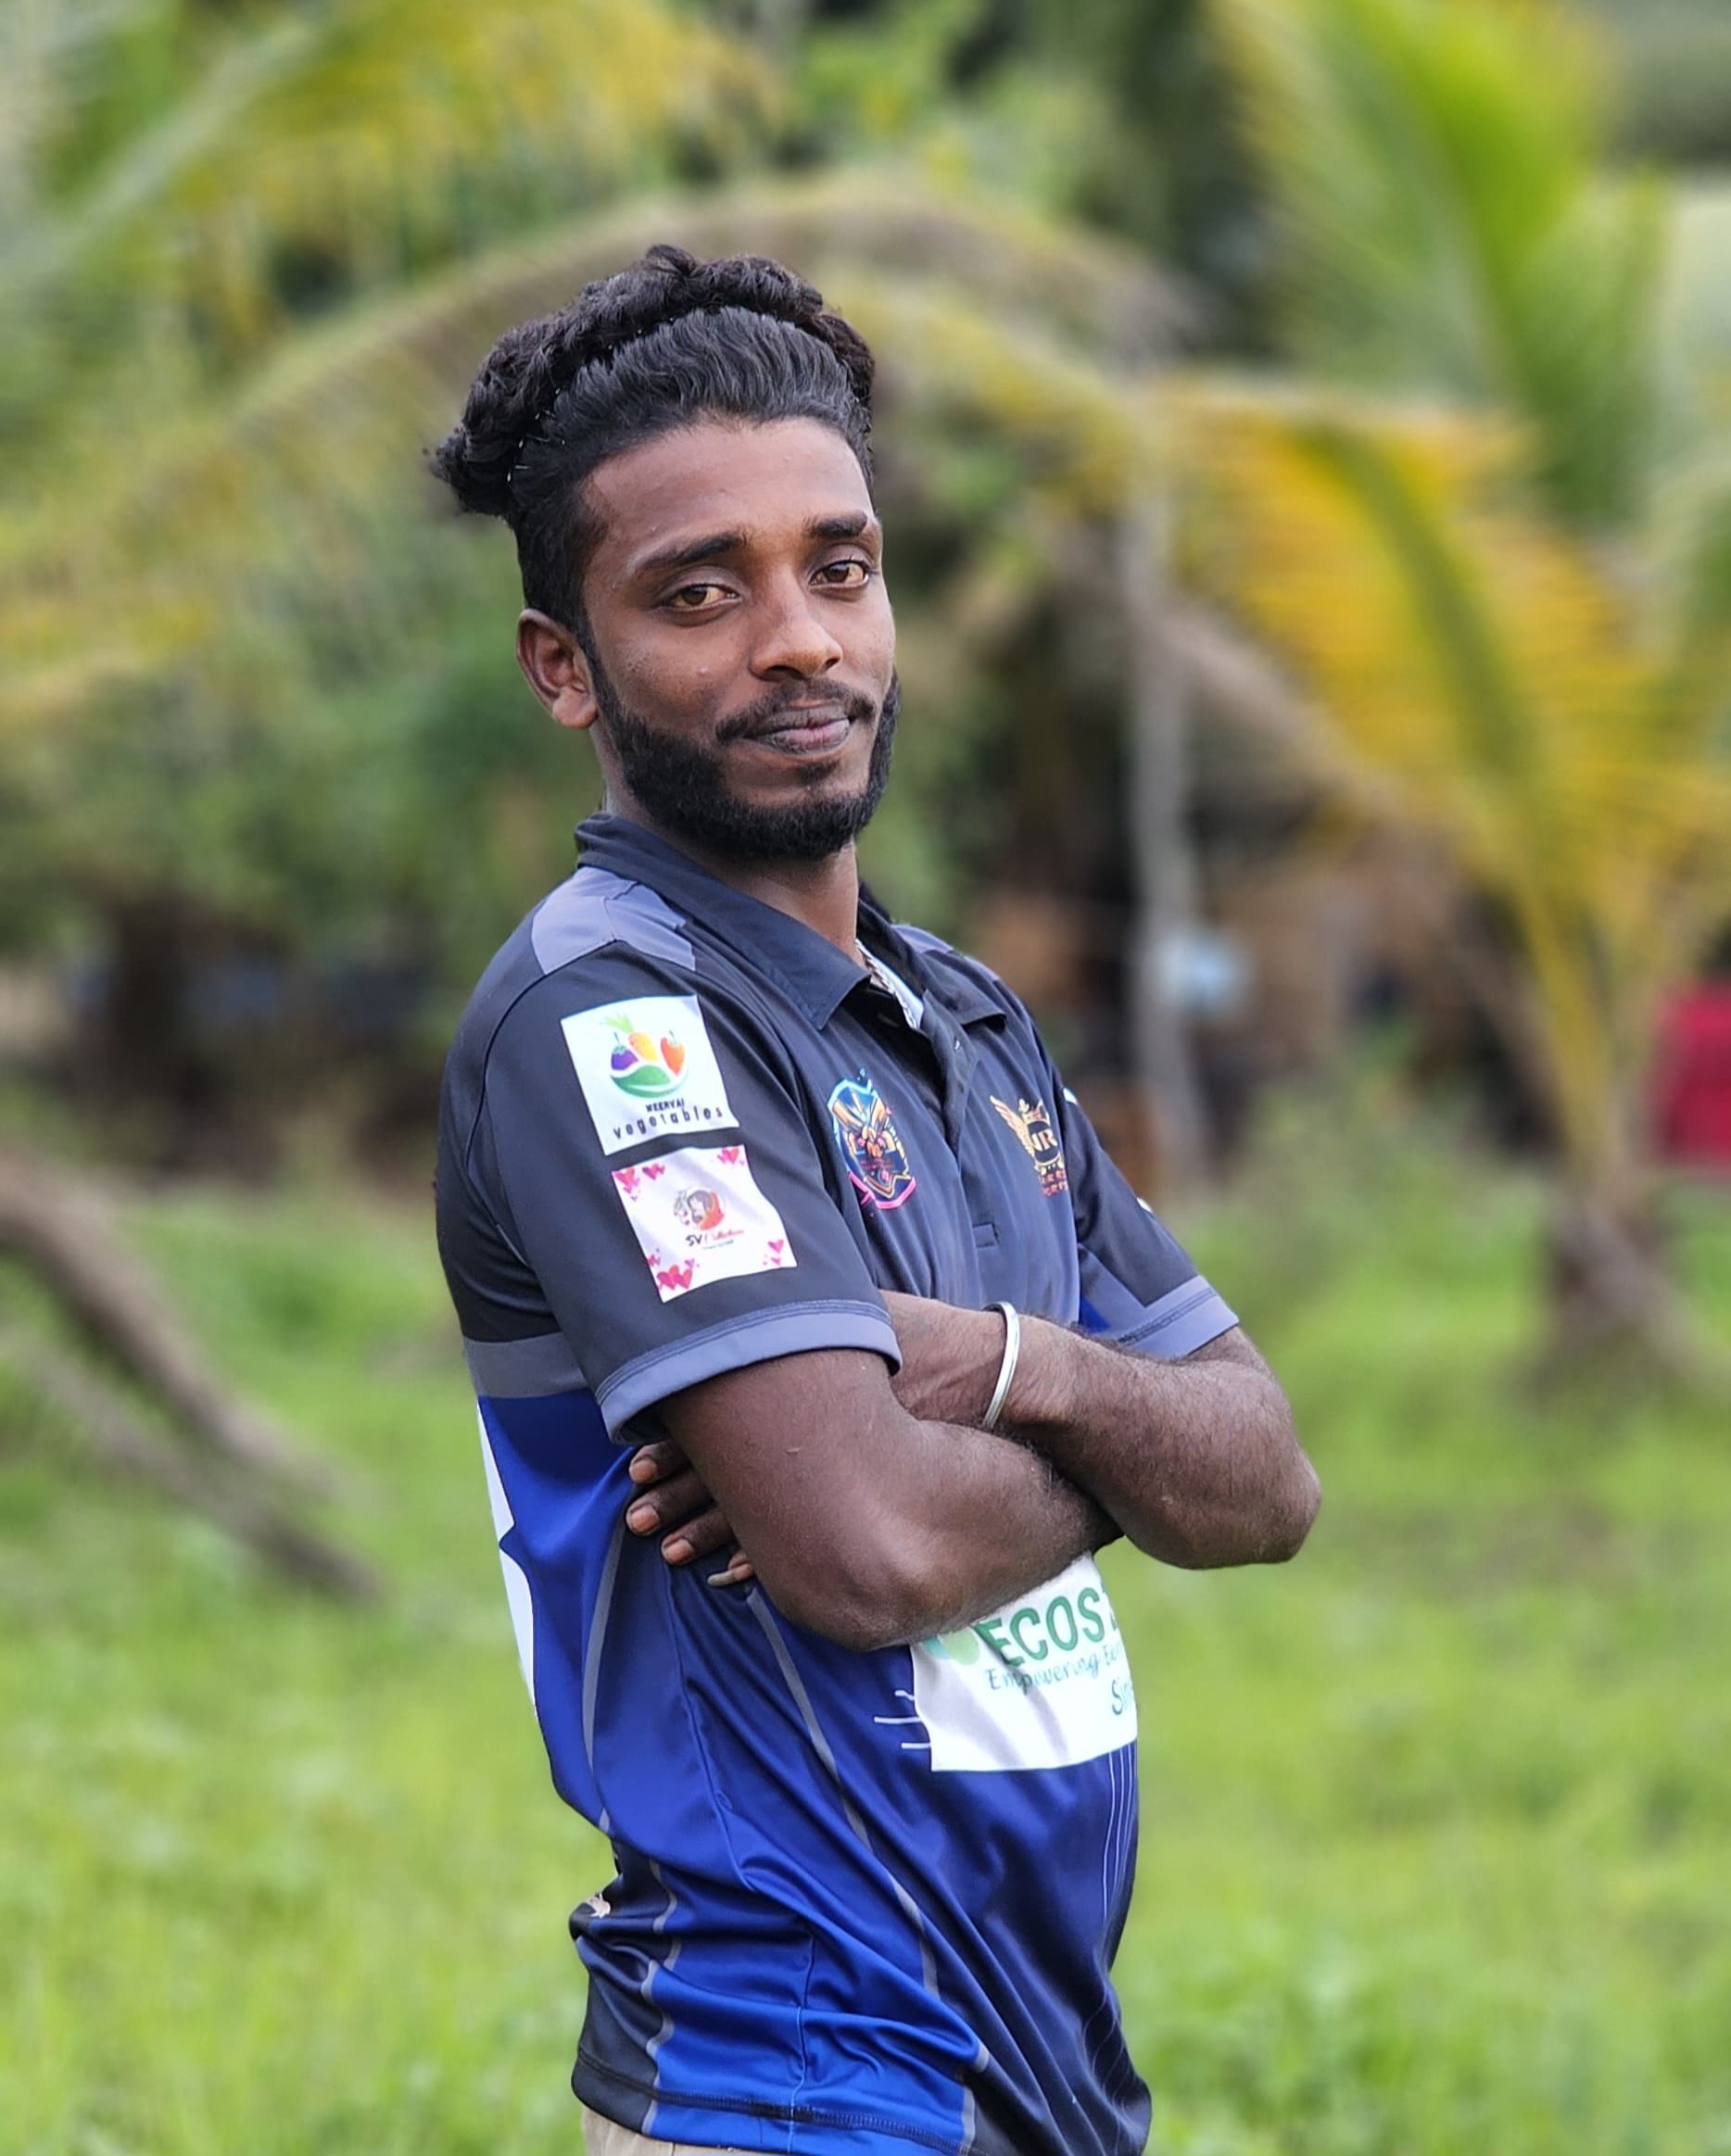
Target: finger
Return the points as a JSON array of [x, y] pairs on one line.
[[740, 1569], [701, 1537], [651, 1462], [669, 1503]]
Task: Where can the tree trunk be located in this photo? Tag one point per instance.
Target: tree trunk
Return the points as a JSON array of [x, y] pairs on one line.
[[1160, 845], [62, 1232], [141, 1042], [229, 1466], [1613, 1308], [122, 1442]]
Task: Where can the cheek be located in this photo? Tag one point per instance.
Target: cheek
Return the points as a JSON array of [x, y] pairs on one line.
[[876, 644], [671, 681]]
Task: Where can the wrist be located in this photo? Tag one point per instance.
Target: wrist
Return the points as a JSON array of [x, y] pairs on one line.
[[1039, 1393], [973, 1375]]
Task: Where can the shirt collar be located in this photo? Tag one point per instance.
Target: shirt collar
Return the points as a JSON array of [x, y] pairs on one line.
[[814, 972], [817, 975]]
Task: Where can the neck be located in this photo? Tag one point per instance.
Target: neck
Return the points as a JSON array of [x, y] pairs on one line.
[[825, 894]]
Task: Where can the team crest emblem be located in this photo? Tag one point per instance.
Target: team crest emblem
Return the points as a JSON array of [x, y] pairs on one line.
[[877, 1159], [1039, 1140]]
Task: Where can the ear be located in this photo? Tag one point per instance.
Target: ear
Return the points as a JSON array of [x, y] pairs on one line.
[[555, 667]]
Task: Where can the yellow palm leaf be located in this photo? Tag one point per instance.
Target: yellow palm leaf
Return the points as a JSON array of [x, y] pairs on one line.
[[1499, 674]]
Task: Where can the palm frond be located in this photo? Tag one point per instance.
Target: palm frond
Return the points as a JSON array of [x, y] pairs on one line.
[[1449, 230], [314, 446], [326, 121], [1504, 681]]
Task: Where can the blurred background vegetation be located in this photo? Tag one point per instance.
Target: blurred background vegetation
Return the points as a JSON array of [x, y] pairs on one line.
[[1306, 450]]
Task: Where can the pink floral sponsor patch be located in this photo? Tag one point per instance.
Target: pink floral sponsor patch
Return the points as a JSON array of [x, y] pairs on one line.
[[699, 1215]]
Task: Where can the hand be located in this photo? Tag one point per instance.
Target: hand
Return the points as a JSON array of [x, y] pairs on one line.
[[671, 1499], [949, 1358]]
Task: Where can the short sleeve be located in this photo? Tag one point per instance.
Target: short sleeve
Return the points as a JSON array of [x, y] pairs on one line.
[[642, 1144], [1139, 1285]]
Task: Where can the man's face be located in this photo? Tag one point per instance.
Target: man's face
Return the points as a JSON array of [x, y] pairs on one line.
[[742, 650]]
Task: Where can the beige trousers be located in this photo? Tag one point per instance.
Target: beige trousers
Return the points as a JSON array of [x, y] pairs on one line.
[[601, 2137]]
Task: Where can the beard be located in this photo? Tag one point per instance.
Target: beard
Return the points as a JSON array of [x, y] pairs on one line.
[[684, 787]]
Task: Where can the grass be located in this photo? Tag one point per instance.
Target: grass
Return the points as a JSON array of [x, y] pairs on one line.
[[1435, 1822]]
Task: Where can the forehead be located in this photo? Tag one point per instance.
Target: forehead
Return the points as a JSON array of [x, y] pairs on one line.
[[762, 480]]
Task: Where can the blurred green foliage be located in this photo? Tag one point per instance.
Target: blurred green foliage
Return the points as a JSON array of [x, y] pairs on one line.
[[1672, 63], [1488, 524], [258, 697], [1434, 1821], [1435, 1826], [259, 707], [236, 627]]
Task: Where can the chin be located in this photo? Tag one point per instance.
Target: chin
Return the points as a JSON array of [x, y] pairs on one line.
[[846, 768]]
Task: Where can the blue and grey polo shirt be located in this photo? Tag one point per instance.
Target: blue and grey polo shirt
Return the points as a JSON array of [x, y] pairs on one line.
[[864, 1902]]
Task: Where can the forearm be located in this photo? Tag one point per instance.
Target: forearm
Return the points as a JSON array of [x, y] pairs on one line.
[[1197, 1460], [867, 1521], [976, 1520]]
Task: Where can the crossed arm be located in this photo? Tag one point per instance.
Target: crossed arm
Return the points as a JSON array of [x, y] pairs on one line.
[[875, 1509]]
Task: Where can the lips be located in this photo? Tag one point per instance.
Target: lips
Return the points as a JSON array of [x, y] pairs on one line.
[[805, 729], [813, 737]]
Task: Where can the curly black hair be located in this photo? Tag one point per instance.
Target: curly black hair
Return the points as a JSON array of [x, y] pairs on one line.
[[653, 347]]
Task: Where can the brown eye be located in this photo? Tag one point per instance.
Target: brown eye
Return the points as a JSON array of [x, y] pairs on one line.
[[849, 575], [691, 597]]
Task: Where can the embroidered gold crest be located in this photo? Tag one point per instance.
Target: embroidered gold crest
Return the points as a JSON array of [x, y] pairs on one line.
[[1033, 1127]]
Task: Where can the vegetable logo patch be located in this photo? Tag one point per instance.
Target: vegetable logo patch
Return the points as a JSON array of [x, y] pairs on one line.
[[699, 1215], [877, 1162], [642, 1065], [647, 1068]]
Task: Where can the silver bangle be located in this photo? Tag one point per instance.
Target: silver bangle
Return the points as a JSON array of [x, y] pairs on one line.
[[1006, 1368]]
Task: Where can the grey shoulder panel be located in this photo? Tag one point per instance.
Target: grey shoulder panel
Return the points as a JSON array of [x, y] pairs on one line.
[[523, 1370], [594, 908]]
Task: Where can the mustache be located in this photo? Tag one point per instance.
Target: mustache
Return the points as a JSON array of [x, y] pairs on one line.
[[771, 712]]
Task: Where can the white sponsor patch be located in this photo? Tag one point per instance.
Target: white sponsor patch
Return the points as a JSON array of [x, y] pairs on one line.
[[647, 1069], [699, 1215], [1044, 1681]]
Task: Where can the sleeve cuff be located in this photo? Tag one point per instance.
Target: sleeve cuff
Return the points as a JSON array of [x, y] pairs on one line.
[[736, 1344], [1185, 1319]]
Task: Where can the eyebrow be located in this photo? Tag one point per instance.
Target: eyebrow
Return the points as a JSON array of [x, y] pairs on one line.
[[713, 545], [842, 527]]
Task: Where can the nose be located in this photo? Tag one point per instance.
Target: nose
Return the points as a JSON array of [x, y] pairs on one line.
[[794, 639]]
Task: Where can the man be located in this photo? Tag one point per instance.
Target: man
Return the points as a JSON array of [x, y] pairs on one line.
[[735, 1172]]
